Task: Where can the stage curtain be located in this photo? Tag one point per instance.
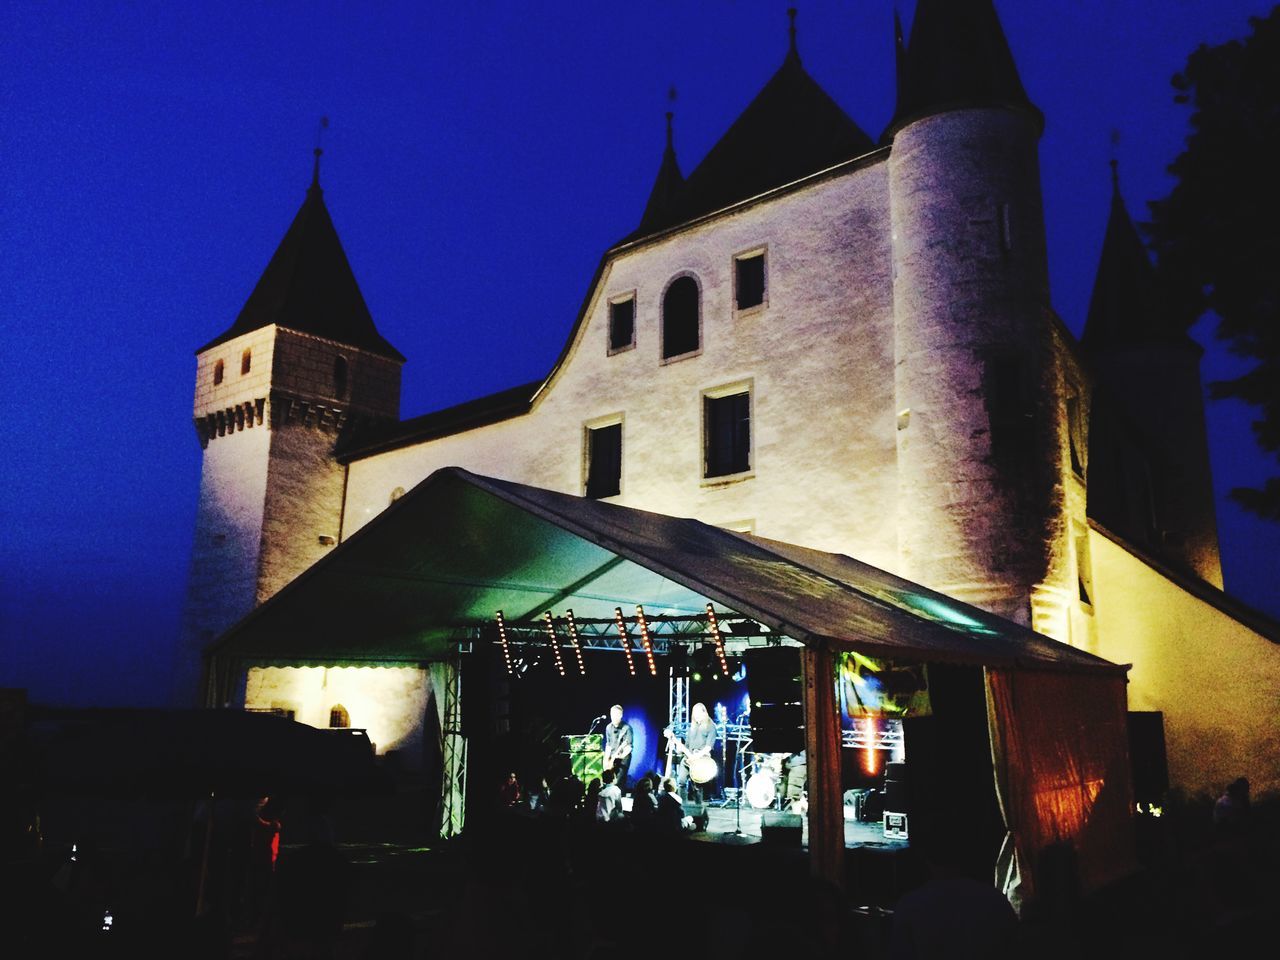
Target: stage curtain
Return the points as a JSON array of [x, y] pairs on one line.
[[1059, 747]]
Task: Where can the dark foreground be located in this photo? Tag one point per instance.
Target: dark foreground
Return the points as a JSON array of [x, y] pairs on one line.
[[371, 887]]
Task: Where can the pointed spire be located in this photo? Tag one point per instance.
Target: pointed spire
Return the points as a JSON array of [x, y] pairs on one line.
[[315, 170], [1124, 309], [793, 51], [665, 199], [899, 59], [957, 57]]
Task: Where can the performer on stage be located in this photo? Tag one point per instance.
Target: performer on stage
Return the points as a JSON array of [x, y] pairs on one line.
[[617, 747], [700, 741]]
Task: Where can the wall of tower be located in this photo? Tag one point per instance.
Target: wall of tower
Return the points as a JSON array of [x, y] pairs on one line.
[[974, 384], [817, 359], [1158, 387]]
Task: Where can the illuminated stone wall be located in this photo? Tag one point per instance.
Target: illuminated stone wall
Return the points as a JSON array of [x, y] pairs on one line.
[[1216, 680], [818, 358], [389, 702]]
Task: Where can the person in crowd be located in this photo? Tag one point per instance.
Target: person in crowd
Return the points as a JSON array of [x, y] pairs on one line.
[[609, 807], [644, 805], [617, 746], [1231, 810], [670, 813], [509, 791]]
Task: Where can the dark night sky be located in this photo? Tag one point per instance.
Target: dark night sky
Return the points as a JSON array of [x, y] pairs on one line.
[[480, 159]]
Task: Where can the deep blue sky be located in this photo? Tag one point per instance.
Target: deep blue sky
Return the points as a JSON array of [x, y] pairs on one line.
[[479, 160]]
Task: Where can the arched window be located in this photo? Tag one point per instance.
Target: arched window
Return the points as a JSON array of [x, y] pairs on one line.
[[340, 378], [339, 719], [217, 372], [680, 321]]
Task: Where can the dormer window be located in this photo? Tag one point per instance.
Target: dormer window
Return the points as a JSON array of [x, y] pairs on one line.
[[246, 361], [218, 369], [622, 323], [749, 280], [681, 319], [340, 378]]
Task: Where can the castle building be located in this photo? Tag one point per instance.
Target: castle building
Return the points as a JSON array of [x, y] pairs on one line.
[[814, 337]]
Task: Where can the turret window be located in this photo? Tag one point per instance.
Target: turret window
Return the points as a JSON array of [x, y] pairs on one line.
[[339, 719], [340, 378], [246, 361], [749, 280], [681, 319], [218, 369]]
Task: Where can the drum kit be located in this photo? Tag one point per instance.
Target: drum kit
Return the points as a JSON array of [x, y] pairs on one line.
[[775, 779]]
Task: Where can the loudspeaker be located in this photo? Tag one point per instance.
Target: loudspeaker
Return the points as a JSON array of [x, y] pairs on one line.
[[775, 687], [782, 828], [698, 811], [773, 674]]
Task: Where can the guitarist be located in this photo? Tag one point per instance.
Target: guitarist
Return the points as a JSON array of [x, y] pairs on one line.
[[699, 741], [617, 747]]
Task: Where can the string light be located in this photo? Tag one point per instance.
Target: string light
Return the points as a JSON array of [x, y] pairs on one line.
[[644, 636], [573, 638], [502, 636], [555, 644], [715, 632], [626, 641]]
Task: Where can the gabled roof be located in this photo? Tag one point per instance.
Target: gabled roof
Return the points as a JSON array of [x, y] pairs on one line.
[[1124, 309], [308, 286], [957, 57], [480, 412], [439, 561]]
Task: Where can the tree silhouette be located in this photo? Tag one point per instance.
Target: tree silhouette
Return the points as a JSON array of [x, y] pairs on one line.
[[1217, 235]]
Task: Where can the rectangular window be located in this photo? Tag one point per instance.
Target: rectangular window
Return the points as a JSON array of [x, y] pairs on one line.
[[727, 425], [246, 361], [604, 461], [622, 323], [749, 280]]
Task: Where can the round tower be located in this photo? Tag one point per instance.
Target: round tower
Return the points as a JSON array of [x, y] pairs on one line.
[[977, 502]]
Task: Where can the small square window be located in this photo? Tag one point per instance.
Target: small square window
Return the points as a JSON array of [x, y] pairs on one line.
[[727, 444], [604, 461], [749, 280]]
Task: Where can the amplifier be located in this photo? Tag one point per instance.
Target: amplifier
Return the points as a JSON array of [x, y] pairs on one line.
[[782, 828]]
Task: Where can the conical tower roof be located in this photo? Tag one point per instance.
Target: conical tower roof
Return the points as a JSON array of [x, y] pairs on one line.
[[308, 286], [957, 57], [790, 130], [1125, 308]]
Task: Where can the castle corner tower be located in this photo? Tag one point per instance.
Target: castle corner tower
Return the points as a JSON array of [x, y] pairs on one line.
[[302, 365]]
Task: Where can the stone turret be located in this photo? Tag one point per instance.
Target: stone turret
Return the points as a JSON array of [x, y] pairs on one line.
[[1149, 476], [302, 365], [977, 506]]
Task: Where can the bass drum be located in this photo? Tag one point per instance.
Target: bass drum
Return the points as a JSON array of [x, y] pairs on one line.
[[761, 790]]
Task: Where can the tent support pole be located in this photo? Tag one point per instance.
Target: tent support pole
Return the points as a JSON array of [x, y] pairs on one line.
[[822, 743]]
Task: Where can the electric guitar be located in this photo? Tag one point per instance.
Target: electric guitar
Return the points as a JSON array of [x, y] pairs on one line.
[[702, 766]]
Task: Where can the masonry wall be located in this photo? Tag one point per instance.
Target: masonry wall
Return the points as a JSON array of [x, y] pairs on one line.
[[817, 358], [1216, 680], [390, 703]]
